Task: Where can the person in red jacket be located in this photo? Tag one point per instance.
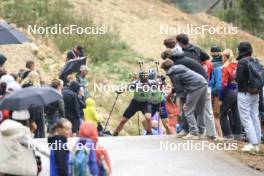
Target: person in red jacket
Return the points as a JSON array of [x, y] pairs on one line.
[[231, 125], [173, 112], [4, 114], [208, 66]]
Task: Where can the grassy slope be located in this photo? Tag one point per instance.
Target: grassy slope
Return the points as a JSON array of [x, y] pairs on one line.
[[137, 22]]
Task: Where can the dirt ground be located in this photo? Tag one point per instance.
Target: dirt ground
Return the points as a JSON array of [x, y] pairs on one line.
[[255, 161]]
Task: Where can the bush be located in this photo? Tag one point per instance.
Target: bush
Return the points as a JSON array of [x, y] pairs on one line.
[[245, 14]]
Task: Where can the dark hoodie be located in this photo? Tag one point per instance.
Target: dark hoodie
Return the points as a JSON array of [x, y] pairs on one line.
[[75, 87], [72, 106], [194, 52], [190, 63], [242, 73]]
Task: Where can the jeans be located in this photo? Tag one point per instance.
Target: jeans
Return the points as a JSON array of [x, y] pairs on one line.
[[249, 115], [209, 116], [195, 104]]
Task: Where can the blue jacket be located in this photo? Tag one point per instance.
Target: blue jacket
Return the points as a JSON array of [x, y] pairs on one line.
[[216, 78], [216, 81]]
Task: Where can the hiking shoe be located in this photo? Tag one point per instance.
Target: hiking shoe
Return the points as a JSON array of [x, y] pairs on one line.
[[115, 134], [219, 139], [257, 149], [181, 134], [240, 138], [203, 136], [229, 137], [149, 133], [250, 148], [213, 138], [191, 137]]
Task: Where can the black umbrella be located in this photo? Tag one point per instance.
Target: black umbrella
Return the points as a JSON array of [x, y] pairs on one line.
[[29, 98], [72, 66], [9, 35]]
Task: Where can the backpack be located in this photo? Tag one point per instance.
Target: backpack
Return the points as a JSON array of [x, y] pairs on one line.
[[80, 162], [256, 76]]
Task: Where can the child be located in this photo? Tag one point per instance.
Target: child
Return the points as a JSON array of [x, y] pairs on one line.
[[173, 112], [90, 113], [88, 130]]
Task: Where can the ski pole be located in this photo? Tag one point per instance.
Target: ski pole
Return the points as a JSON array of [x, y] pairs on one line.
[[111, 112], [157, 66], [139, 125], [141, 63]]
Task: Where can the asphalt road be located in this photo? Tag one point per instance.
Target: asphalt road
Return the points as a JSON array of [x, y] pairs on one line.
[[168, 156]]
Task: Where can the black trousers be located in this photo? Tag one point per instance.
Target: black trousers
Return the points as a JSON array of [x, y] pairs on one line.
[[229, 115]]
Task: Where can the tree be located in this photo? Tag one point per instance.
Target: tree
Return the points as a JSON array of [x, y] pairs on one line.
[[244, 13], [250, 17]]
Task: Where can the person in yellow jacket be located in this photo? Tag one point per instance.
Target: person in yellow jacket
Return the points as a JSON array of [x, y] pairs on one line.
[[90, 113]]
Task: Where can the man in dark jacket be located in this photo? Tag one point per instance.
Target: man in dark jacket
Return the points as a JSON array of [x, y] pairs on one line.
[[248, 103], [72, 106], [192, 87], [37, 118], [55, 110], [75, 53], [177, 56], [189, 49]]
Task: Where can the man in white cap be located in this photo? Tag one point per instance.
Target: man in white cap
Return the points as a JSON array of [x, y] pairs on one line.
[[81, 78]]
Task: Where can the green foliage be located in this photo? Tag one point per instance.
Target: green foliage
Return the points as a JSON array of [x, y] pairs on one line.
[[246, 14]]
